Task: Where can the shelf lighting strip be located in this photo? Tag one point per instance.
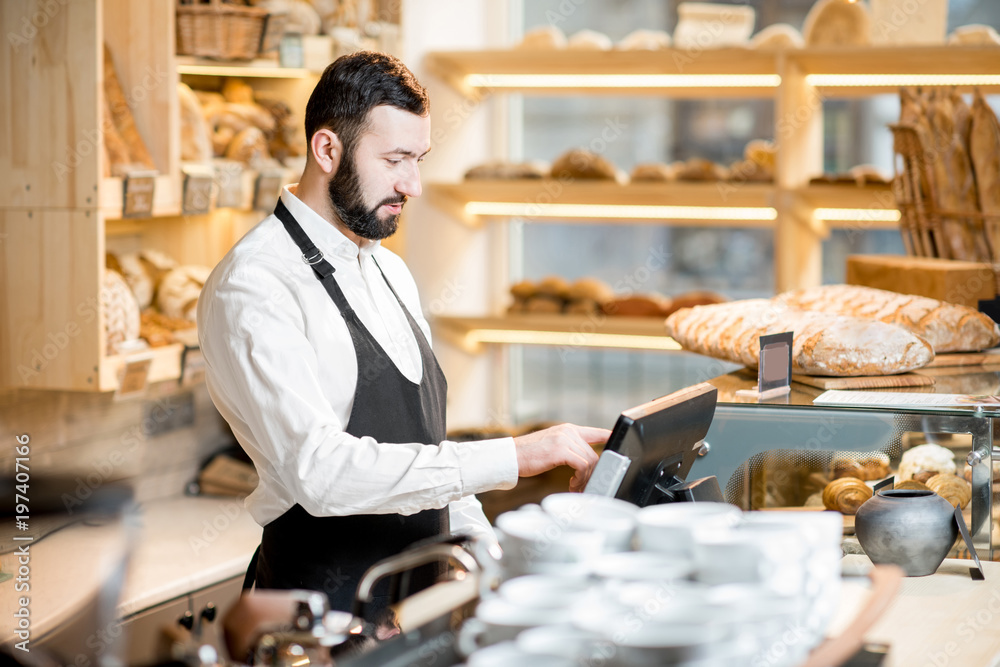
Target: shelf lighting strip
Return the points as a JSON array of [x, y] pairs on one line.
[[896, 80], [613, 211], [571, 339], [622, 80], [857, 214]]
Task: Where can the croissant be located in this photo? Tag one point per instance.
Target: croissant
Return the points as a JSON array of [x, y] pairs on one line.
[[952, 488], [911, 485], [846, 495]]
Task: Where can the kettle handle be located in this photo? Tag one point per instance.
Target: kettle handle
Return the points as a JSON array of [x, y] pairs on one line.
[[406, 561]]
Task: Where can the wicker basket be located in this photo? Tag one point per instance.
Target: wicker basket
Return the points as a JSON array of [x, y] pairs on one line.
[[925, 227], [218, 29]]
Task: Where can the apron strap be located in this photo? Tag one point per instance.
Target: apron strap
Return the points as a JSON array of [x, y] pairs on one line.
[[251, 575]]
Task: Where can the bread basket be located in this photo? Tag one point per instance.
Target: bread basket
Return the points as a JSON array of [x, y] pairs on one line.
[[217, 29]]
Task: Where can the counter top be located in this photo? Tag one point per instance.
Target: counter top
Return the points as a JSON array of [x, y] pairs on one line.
[[177, 546], [942, 619]]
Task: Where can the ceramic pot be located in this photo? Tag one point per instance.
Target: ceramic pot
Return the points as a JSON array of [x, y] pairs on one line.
[[912, 529]]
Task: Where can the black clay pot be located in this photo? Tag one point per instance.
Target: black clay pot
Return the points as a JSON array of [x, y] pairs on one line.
[[909, 528]]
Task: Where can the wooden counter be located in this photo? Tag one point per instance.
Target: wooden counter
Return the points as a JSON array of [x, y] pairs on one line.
[[180, 545], [945, 619]]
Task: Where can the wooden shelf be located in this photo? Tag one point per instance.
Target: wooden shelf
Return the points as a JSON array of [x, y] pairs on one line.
[[642, 333], [264, 68], [874, 203], [166, 197], [534, 196], [725, 63], [166, 365]]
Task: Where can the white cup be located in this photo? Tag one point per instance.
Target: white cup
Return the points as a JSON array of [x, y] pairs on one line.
[[672, 528], [613, 518], [507, 654], [544, 591], [564, 641], [534, 542], [641, 566], [499, 620]]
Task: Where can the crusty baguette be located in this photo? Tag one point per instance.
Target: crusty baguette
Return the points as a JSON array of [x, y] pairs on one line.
[[121, 114], [984, 147], [116, 149], [824, 344], [948, 327], [956, 186]]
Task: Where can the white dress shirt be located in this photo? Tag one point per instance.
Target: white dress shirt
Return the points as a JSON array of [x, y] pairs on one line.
[[281, 368]]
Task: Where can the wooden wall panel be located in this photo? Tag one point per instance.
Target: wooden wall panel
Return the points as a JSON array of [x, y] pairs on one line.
[[51, 275], [49, 144]]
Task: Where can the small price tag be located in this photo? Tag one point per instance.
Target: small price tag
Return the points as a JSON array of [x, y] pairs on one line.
[[134, 378], [774, 374], [192, 366], [268, 189], [229, 178], [197, 191], [138, 190]]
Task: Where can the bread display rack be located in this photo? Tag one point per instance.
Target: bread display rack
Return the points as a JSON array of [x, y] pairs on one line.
[[801, 214], [59, 212]]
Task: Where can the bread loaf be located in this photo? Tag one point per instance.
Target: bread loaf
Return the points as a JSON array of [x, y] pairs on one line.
[[700, 169], [824, 344], [543, 38], [638, 305], [584, 165], [177, 295], [984, 147], [121, 312], [947, 327], [499, 169], [956, 186], [655, 172], [777, 36], [926, 458], [117, 151], [837, 23], [196, 139], [975, 34], [589, 40], [121, 114], [645, 40]]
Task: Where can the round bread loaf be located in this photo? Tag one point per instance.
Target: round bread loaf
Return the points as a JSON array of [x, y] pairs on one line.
[[975, 34], [638, 305], [120, 310], [645, 40], [178, 293], [589, 40], [585, 165], [926, 458], [777, 36], [592, 289], [838, 23], [700, 169], [652, 172], [543, 38], [138, 277]]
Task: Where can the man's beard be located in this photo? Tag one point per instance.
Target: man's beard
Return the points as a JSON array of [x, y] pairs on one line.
[[348, 201]]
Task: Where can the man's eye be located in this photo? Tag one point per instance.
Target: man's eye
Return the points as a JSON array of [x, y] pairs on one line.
[[393, 161]]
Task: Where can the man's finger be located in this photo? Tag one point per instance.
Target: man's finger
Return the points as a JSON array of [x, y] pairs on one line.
[[593, 435]]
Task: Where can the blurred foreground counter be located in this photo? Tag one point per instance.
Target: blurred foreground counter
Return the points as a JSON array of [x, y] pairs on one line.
[[942, 619], [166, 550]]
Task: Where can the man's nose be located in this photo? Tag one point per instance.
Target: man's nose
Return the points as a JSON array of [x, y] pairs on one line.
[[410, 184]]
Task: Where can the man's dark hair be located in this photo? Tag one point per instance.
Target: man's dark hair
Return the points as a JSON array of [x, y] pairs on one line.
[[354, 84]]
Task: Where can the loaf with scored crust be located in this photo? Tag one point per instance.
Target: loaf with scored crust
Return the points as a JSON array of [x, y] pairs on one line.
[[948, 327], [824, 344]]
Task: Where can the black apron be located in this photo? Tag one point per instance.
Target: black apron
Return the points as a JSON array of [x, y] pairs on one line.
[[330, 554]]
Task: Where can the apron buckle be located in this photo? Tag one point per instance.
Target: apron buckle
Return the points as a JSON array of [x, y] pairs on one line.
[[316, 258]]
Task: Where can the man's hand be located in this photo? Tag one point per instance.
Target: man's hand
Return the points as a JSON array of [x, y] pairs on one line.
[[565, 444]]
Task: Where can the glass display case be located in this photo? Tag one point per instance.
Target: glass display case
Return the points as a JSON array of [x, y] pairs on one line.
[[783, 452]]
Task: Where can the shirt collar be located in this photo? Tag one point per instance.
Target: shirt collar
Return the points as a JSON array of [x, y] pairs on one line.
[[324, 234]]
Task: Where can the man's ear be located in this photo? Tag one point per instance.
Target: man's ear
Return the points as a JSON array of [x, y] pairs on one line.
[[326, 150]]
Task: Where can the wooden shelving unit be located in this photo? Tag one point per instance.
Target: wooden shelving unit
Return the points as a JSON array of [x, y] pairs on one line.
[[797, 80], [598, 330], [59, 215]]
